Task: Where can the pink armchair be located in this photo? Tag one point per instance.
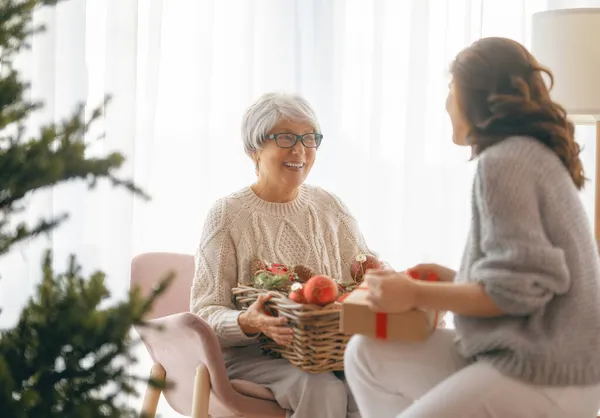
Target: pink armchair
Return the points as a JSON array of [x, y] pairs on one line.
[[187, 351]]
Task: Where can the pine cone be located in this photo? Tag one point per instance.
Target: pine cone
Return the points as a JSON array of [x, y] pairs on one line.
[[303, 272], [256, 265]]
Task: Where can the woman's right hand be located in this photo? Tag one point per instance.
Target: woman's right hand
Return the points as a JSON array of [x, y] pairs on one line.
[[444, 274], [255, 320]]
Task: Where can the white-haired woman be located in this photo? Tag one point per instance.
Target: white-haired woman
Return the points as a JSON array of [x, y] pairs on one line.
[[279, 219]]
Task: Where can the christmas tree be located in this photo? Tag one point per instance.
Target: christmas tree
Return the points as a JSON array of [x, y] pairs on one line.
[[67, 356]]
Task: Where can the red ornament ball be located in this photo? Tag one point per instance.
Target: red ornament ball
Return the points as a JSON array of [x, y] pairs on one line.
[[320, 290], [297, 293], [361, 264]]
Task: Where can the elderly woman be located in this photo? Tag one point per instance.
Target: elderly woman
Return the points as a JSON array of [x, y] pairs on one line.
[[279, 219]]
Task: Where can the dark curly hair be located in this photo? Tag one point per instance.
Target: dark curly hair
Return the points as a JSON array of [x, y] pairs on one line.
[[501, 91]]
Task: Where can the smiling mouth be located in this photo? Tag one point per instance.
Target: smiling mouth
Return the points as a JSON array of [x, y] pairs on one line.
[[294, 165]]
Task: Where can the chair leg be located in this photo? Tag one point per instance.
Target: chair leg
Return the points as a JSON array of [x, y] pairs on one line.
[[152, 394], [201, 393]]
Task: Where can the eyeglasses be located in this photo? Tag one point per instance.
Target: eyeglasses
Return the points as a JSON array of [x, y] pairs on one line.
[[288, 140]]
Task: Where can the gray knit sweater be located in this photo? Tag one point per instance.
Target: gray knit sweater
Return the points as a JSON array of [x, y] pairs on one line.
[[532, 249]]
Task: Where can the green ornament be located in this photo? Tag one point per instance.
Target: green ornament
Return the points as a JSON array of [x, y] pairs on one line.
[[269, 281]]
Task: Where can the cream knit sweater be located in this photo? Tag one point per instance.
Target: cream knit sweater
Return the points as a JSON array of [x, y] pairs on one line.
[[316, 229]]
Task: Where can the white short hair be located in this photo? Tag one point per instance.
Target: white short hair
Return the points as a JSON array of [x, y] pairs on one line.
[[270, 109]]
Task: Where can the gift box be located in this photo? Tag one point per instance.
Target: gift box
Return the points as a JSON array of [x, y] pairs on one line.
[[412, 326]]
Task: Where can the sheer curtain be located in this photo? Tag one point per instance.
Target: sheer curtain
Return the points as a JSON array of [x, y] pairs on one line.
[[376, 71], [181, 73]]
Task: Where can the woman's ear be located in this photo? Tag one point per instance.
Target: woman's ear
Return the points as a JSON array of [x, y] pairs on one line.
[[256, 158]]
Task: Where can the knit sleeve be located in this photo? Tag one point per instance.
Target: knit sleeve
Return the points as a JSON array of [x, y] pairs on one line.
[[215, 276], [350, 238], [519, 268]]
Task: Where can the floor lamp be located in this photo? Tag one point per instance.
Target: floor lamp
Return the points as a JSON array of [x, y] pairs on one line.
[[568, 42]]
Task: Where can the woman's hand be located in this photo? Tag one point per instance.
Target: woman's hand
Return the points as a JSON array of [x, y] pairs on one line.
[[390, 291], [256, 320], [393, 292], [444, 273]]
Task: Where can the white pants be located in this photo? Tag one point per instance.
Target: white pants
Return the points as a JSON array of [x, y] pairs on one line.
[[431, 380]]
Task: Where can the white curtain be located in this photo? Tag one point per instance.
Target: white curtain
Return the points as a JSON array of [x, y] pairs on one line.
[[376, 71], [181, 73]]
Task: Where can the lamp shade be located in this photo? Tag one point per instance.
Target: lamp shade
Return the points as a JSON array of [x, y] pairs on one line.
[[567, 41]]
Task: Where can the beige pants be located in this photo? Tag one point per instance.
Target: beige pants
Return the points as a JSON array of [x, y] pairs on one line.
[[431, 380], [302, 394]]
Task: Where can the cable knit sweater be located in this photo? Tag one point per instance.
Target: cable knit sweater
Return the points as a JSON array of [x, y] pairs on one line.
[[532, 249], [316, 229]]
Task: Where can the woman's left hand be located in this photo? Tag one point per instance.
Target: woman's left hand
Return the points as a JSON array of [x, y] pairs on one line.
[[390, 292]]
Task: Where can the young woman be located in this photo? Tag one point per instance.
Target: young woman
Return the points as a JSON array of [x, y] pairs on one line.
[[526, 298]]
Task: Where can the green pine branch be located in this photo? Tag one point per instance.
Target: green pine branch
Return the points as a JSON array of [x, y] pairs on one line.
[[56, 156], [16, 24], [68, 355]]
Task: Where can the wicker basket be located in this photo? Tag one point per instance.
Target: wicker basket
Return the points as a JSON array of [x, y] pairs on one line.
[[318, 345]]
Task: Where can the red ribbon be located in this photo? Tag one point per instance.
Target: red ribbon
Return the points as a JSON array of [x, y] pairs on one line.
[[381, 325], [381, 320]]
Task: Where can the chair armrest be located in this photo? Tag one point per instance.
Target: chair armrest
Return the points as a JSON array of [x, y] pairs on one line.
[[181, 342]]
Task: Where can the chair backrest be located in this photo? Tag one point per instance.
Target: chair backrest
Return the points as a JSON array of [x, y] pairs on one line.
[[149, 269]]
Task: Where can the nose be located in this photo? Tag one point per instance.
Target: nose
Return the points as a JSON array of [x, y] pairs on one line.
[[298, 148]]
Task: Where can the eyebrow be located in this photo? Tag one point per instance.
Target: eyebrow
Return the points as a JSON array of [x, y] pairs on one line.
[[291, 133]]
